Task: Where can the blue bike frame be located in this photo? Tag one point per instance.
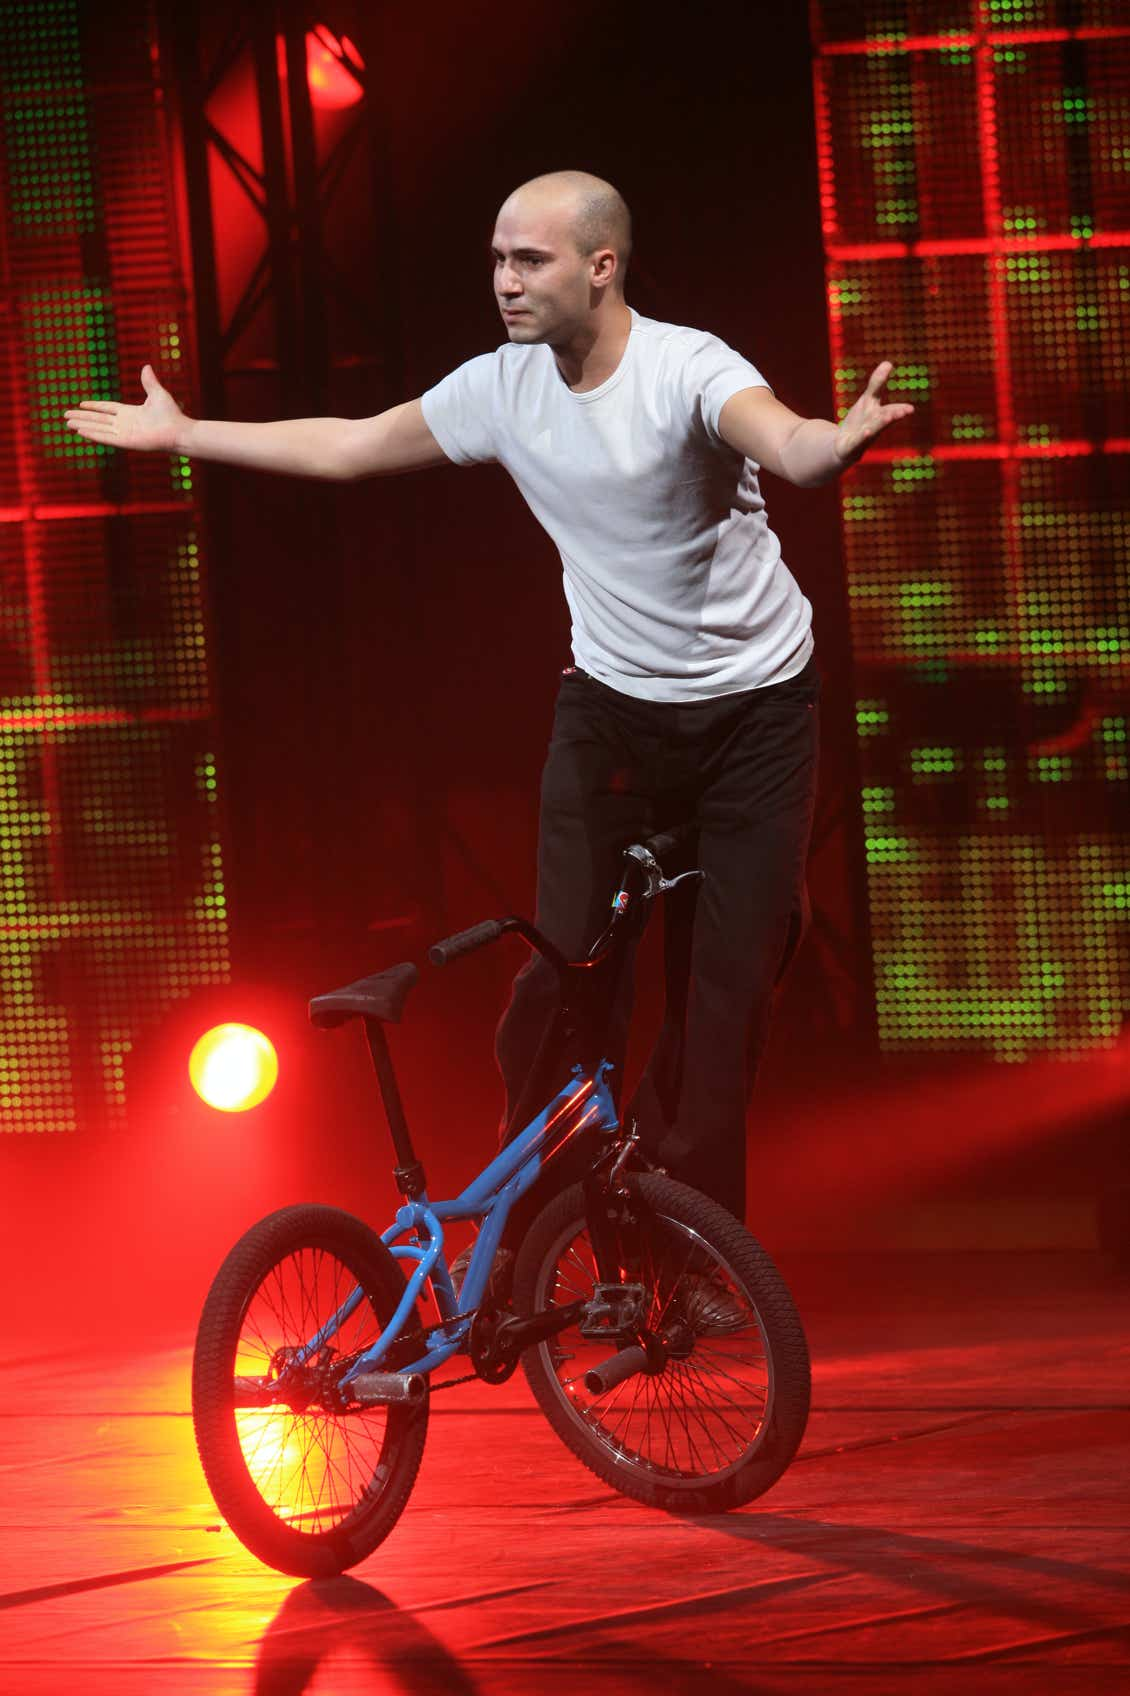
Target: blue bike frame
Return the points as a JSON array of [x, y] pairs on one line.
[[585, 1103]]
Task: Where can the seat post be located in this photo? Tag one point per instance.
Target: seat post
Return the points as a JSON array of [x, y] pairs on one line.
[[409, 1173]]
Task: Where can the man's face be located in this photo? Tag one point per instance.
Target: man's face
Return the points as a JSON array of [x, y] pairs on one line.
[[541, 281]]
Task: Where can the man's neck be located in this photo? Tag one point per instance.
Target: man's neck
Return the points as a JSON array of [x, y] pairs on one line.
[[590, 358]]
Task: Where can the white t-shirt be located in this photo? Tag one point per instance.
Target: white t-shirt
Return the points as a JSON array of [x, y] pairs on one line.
[[674, 579]]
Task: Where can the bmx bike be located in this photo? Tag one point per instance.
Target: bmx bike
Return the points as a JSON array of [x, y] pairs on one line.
[[656, 1334]]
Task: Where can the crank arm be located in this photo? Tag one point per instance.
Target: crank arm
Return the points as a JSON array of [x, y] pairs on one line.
[[514, 1335]]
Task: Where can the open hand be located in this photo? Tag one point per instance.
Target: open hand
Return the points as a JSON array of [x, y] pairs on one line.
[[868, 417], [154, 426]]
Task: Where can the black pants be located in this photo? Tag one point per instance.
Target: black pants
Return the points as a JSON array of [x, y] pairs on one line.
[[742, 768]]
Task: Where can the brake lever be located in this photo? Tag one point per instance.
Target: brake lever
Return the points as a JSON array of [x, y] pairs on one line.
[[666, 883], [657, 884]]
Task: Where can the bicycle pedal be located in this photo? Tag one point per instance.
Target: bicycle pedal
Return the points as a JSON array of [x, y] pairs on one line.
[[613, 1308]]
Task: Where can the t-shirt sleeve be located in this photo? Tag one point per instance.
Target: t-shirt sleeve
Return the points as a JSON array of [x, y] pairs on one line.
[[459, 411], [714, 373]]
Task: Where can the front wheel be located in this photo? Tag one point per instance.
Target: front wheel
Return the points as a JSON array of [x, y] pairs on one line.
[[308, 1482], [721, 1419]]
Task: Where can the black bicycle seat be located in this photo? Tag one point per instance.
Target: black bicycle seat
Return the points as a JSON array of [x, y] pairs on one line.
[[380, 997]]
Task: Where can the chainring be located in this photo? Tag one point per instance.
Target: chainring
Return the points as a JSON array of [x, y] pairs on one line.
[[492, 1362]]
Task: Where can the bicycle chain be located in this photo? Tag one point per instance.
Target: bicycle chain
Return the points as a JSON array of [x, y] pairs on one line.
[[450, 1383]]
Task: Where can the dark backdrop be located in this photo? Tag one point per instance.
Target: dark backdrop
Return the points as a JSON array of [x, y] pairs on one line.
[[388, 651]]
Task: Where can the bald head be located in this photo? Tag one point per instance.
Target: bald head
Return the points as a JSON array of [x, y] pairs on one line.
[[596, 212]]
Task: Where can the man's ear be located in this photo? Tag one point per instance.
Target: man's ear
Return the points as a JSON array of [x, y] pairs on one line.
[[604, 267]]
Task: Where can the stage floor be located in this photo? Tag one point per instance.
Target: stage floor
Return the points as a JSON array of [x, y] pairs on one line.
[[957, 1520]]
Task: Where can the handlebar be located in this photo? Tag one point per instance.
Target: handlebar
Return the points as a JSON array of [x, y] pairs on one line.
[[645, 856], [465, 941]]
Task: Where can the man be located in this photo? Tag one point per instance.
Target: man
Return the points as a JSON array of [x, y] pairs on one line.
[[693, 695]]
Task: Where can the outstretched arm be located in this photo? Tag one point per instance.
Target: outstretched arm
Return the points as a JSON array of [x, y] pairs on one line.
[[808, 451], [338, 448]]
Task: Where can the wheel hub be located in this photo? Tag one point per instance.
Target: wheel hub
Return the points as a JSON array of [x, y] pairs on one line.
[[678, 1340], [300, 1386]]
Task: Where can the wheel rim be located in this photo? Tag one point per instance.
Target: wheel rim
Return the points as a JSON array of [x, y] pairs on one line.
[[708, 1409], [315, 1467]]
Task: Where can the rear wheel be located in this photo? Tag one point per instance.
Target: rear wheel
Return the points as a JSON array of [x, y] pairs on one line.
[[719, 1421], [308, 1483]]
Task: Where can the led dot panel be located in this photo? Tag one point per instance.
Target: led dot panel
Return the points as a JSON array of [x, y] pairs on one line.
[[975, 183], [875, 22], [111, 863], [1009, 944]]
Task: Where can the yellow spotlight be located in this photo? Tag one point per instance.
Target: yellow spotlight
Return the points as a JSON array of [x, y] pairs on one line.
[[233, 1067]]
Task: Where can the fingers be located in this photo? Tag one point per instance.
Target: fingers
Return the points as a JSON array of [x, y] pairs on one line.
[[95, 420], [91, 426], [879, 376], [149, 380], [889, 415]]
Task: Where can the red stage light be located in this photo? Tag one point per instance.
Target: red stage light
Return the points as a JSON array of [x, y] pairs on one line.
[[332, 84], [233, 1067]]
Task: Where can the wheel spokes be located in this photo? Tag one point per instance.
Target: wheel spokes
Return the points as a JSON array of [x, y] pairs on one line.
[[704, 1411], [312, 1465]]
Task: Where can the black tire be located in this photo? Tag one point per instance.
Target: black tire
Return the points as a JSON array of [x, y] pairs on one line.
[[721, 1421], [310, 1491]]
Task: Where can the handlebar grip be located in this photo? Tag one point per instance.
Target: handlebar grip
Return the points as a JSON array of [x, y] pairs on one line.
[[465, 942], [667, 841]]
